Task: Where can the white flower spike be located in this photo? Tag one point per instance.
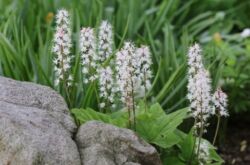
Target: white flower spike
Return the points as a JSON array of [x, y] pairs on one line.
[[61, 48], [105, 41], [88, 54], [144, 63], [220, 103], [198, 88], [126, 66], [107, 87]]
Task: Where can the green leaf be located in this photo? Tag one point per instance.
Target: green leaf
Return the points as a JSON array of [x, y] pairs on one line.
[[84, 115], [172, 160], [167, 141], [214, 156], [157, 127], [186, 146], [169, 84]]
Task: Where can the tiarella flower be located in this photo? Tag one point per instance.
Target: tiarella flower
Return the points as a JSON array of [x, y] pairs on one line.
[[61, 48], [88, 54], [143, 70], [204, 155], [105, 41], [220, 103], [107, 87], [198, 88], [194, 59], [126, 65]]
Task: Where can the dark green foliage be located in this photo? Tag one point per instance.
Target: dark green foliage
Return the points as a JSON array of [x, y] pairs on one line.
[[157, 128], [153, 125]]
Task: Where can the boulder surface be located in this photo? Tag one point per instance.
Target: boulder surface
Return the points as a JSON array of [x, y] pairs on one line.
[[36, 129], [105, 144], [35, 126]]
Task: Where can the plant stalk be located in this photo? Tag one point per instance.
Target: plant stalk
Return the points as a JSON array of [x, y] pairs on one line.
[[145, 90], [200, 135], [217, 129], [133, 103], [193, 150], [65, 82]]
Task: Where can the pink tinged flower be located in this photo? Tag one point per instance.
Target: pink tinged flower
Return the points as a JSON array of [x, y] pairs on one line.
[[220, 103], [105, 41], [199, 87], [107, 85], [126, 72], [143, 63], [61, 48], [88, 54]]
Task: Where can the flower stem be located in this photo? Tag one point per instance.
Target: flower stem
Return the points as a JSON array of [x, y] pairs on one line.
[[217, 129], [191, 157], [200, 135], [67, 92], [129, 119], [129, 112], [65, 85], [145, 95], [133, 102]]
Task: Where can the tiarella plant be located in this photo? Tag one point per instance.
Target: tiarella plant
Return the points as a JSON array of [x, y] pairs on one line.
[[124, 78], [144, 70], [220, 108], [198, 93], [61, 49], [198, 89], [108, 89], [202, 103], [105, 41], [89, 56], [133, 76], [127, 79]]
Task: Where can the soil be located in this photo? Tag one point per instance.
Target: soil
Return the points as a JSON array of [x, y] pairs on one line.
[[236, 148]]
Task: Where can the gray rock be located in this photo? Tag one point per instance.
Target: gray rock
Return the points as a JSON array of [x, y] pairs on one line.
[[105, 144], [37, 129], [38, 96], [35, 126]]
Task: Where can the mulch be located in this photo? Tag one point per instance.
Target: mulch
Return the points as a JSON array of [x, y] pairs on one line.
[[236, 148]]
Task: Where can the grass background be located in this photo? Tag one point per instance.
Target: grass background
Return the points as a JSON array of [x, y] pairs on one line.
[[169, 27]]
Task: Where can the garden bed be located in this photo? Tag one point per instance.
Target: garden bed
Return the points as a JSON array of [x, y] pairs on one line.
[[236, 149]]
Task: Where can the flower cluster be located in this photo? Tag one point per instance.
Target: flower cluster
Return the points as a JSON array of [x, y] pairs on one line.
[[105, 41], [220, 103], [88, 54], [133, 71], [198, 88], [61, 48], [143, 69], [107, 87], [133, 64], [94, 51], [126, 66]]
